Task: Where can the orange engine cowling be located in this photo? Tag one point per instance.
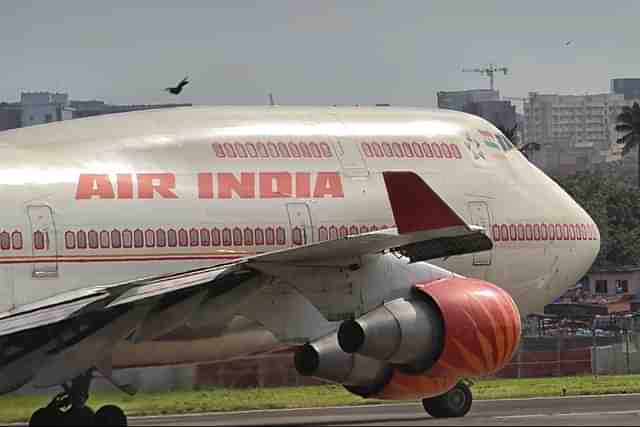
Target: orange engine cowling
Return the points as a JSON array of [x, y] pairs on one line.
[[482, 326], [469, 327]]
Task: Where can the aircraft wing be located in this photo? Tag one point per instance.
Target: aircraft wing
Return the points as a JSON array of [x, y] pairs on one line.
[[427, 228]]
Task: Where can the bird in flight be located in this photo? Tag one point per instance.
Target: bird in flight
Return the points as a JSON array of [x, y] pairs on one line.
[[568, 42], [177, 89]]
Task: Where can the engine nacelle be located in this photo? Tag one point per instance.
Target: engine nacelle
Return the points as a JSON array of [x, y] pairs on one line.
[[324, 359], [451, 328]]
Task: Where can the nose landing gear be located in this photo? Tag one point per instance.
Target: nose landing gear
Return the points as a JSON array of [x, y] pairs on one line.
[[69, 408]]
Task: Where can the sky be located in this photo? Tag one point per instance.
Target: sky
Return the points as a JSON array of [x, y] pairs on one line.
[[312, 52]]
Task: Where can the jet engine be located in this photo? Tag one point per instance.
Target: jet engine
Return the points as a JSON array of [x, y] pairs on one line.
[[420, 346], [456, 325]]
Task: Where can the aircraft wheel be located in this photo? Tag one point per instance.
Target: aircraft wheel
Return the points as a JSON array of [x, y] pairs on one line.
[[453, 404], [110, 416], [79, 416], [46, 417]]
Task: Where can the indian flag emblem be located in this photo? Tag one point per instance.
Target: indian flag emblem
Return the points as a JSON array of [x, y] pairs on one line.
[[489, 139]]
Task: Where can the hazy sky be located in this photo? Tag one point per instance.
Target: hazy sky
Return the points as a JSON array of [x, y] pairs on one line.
[[312, 52]]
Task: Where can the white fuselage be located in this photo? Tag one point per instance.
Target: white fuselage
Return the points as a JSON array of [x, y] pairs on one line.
[[102, 200]]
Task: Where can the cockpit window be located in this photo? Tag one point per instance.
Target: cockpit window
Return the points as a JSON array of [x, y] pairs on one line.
[[504, 142]]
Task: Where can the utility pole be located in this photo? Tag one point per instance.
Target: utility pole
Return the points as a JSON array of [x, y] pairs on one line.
[[488, 71]]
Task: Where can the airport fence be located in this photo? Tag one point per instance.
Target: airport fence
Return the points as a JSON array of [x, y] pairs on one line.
[[536, 357]]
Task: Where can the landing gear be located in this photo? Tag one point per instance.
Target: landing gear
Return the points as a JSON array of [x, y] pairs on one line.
[[69, 408], [455, 403]]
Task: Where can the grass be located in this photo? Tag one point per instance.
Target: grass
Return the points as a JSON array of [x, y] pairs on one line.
[[19, 408]]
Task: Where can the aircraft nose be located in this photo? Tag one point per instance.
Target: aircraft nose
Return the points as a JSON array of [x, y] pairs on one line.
[[595, 247]]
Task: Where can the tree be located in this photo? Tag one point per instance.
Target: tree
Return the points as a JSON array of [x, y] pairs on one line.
[[628, 123], [614, 205]]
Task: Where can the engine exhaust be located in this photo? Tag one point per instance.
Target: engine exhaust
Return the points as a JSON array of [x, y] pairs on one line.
[[407, 333]]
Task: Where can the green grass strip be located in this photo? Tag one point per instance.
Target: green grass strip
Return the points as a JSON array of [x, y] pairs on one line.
[[19, 408]]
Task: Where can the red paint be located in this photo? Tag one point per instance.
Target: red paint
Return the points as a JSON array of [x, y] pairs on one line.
[[94, 185], [303, 185], [415, 205], [205, 185], [161, 183], [482, 324], [328, 184], [229, 184], [275, 185], [124, 184]]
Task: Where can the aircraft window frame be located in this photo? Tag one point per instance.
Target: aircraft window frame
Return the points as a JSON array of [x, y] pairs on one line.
[[150, 238], [281, 236], [172, 238], [259, 237], [70, 240], [161, 238], [216, 237], [205, 237], [93, 240], [105, 239], [116, 239], [248, 237], [16, 240], [183, 238], [138, 238]]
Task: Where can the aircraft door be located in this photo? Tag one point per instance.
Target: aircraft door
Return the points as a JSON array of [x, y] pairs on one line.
[[44, 242], [480, 216], [351, 160], [300, 222], [6, 289]]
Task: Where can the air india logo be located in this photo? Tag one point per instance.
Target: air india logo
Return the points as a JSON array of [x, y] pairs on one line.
[[474, 146]]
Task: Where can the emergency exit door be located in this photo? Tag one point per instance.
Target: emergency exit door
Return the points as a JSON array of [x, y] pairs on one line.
[[300, 222], [44, 244], [351, 159], [481, 217]]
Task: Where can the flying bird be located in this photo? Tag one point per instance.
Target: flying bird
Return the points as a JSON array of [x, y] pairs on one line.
[[568, 42], [177, 89]]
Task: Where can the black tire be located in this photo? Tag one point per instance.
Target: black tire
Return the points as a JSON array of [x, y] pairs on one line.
[[111, 416], [455, 403], [79, 416], [48, 416]]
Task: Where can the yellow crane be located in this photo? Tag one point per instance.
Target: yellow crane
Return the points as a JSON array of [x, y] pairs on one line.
[[488, 71]]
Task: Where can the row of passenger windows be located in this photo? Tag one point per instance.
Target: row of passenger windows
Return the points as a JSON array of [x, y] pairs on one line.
[[11, 240], [198, 237], [412, 150], [524, 232], [272, 150], [172, 238]]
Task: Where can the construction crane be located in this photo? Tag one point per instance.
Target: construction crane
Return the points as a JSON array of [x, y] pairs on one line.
[[488, 71]]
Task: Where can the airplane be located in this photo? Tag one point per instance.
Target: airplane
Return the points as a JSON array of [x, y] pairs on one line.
[[392, 250]]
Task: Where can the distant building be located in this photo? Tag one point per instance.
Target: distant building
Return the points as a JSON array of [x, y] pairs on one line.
[[630, 88], [457, 100], [575, 132], [44, 107], [624, 280], [480, 102], [500, 113], [10, 115]]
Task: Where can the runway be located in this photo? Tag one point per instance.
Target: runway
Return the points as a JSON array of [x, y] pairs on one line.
[[565, 411]]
